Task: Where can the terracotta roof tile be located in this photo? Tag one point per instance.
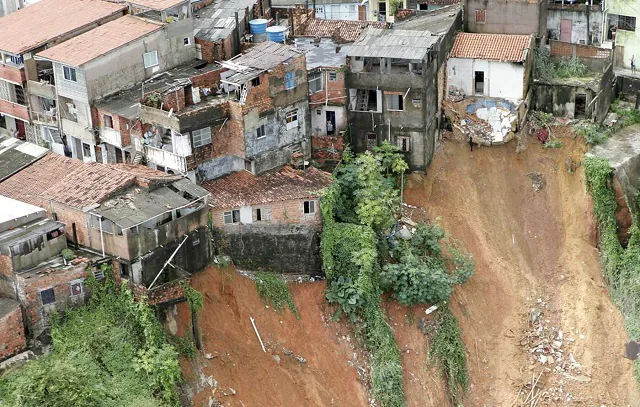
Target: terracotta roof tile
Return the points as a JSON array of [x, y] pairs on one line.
[[494, 47], [34, 26], [73, 182], [101, 40], [242, 188], [348, 31]]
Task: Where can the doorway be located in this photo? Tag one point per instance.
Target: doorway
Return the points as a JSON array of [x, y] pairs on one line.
[[580, 106], [382, 11], [331, 123], [478, 81], [565, 30]]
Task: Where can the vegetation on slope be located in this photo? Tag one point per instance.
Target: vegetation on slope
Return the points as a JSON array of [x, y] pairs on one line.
[[112, 352], [274, 290], [620, 266], [362, 259]]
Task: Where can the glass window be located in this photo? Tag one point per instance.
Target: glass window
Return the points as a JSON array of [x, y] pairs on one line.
[[481, 16], [289, 80], [69, 74], [48, 296], [201, 137], [626, 23], [291, 119], [309, 207], [150, 59], [260, 132], [315, 82], [108, 121], [394, 102], [186, 41], [231, 217], [333, 76], [255, 82]]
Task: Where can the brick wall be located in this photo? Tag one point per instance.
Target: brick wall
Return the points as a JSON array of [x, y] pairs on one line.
[[12, 335], [120, 124], [69, 216], [566, 49], [6, 266], [404, 13], [30, 285], [290, 211], [327, 150], [334, 91], [209, 79]]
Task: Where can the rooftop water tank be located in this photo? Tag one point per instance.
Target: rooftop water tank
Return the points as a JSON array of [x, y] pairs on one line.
[[258, 26], [276, 33]]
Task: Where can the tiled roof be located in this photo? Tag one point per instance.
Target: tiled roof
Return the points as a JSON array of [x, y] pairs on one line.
[[348, 31], [101, 40], [267, 55], [157, 4], [242, 188], [494, 47], [34, 26], [73, 182]]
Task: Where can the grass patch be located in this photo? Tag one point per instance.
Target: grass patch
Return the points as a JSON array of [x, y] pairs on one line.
[[274, 290], [620, 266], [595, 134], [448, 351]]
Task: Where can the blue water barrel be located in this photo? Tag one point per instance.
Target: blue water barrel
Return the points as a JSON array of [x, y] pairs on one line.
[[276, 33], [258, 26]]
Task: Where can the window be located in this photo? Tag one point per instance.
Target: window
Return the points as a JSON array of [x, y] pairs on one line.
[[255, 82], [75, 287], [333, 76], [394, 102], [319, 112], [258, 215], [289, 80], [150, 59], [201, 137], [124, 270], [372, 141], [291, 119], [248, 165], [481, 16], [231, 217], [626, 23], [315, 82], [186, 41], [309, 207], [48, 296], [16, 59], [260, 132], [108, 121], [404, 143], [20, 95], [86, 150], [69, 74]]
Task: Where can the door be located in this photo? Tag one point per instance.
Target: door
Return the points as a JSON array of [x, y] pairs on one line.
[[565, 30], [362, 12], [20, 130], [478, 80], [331, 123], [580, 106]]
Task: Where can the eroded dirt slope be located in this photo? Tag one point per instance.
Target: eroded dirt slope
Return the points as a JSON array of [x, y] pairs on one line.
[[533, 250], [309, 362]]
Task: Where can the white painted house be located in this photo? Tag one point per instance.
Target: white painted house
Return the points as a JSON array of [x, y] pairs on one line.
[[490, 65]]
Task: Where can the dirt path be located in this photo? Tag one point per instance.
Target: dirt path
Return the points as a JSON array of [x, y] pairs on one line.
[[533, 249], [309, 362]]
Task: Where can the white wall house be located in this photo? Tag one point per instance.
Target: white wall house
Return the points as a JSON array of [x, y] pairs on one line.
[[490, 65]]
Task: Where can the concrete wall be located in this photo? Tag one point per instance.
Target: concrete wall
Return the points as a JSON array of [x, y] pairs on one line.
[[125, 65], [501, 79], [40, 250], [577, 14], [283, 248], [507, 17], [73, 90], [560, 99], [319, 119], [218, 167]]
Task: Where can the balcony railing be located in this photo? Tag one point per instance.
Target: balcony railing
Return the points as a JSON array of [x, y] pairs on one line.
[[166, 159], [77, 130], [46, 118], [111, 136]]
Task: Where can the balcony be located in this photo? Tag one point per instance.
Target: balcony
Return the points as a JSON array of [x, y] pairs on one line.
[[45, 118], [111, 136], [14, 110], [79, 131], [42, 89], [12, 74], [166, 159], [159, 118]]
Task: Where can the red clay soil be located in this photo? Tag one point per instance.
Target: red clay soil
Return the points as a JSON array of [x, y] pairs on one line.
[[527, 246], [326, 377]]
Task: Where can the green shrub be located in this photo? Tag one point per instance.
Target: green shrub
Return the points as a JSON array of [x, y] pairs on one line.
[[274, 291], [570, 68], [592, 133], [67, 254], [417, 281], [345, 293], [555, 143]]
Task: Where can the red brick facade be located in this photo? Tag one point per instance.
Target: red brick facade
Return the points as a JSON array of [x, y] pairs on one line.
[[333, 92], [291, 211], [11, 74], [14, 110], [566, 49], [12, 336], [327, 150]]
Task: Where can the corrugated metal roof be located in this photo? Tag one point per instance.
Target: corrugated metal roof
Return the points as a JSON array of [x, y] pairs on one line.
[[400, 44], [267, 55], [217, 21], [16, 154]]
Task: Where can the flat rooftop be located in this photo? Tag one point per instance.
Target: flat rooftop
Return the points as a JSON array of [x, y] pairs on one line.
[[437, 21], [323, 52], [101, 40], [47, 20], [15, 212], [217, 21]]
